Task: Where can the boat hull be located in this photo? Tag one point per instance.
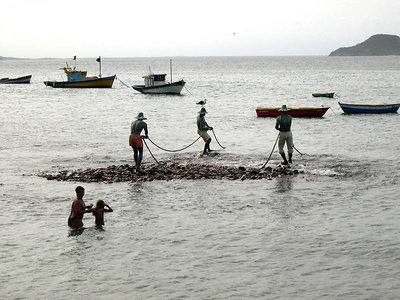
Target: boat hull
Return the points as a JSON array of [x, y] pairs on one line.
[[19, 80], [369, 108], [103, 82], [304, 112], [174, 88], [326, 95]]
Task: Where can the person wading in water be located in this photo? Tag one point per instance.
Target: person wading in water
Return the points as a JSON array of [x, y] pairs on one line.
[[78, 209], [283, 124], [135, 140], [99, 210], [202, 128]]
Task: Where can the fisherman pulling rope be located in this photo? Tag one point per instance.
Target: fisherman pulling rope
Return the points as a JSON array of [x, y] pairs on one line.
[[283, 124], [136, 141], [202, 128]]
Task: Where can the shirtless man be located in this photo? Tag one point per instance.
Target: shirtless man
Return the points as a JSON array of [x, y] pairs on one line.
[[78, 209], [135, 140]]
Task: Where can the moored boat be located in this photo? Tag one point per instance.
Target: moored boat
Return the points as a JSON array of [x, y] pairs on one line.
[[326, 95], [294, 112], [18, 80], [369, 108], [157, 84], [79, 79], [153, 85]]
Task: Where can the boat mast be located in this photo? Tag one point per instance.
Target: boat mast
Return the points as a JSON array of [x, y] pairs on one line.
[[99, 61], [170, 68]]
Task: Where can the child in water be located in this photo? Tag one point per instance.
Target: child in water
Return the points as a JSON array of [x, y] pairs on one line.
[[99, 211]]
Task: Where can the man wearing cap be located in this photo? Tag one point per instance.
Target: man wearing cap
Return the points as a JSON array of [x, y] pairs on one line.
[[283, 123], [202, 128], [135, 140]]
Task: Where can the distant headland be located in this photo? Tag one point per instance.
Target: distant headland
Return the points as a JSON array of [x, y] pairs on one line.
[[376, 45], [23, 58], [6, 58], [11, 58]]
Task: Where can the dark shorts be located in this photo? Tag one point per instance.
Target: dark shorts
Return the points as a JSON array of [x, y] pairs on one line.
[[135, 140], [71, 220]]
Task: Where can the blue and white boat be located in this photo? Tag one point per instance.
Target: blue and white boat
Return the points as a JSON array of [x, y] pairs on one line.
[[157, 84], [369, 108]]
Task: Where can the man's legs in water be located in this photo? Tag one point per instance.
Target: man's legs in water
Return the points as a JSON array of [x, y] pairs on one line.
[[135, 154], [139, 159], [207, 146], [285, 162]]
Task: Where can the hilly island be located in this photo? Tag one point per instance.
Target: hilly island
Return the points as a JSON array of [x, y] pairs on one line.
[[376, 45]]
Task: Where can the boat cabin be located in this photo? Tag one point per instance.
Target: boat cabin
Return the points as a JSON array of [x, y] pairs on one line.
[[74, 75], [154, 80]]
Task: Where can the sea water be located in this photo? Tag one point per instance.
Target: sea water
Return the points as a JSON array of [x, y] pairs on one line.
[[331, 232]]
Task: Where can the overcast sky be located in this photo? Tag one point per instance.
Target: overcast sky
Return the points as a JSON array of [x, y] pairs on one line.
[[137, 28]]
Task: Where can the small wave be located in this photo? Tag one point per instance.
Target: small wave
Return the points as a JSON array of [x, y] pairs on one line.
[[324, 172]]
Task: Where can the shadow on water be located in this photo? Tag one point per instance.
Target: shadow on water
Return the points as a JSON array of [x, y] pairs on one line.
[[284, 184], [76, 231], [99, 228]]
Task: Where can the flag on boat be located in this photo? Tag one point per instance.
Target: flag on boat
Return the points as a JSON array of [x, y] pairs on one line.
[[74, 57], [98, 59]]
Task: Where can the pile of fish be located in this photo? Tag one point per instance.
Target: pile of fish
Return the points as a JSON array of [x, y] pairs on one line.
[[169, 171]]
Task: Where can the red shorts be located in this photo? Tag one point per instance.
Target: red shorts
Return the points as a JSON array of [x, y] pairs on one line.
[[135, 140]]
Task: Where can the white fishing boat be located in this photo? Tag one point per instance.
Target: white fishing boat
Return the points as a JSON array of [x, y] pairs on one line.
[[19, 80], [157, 84]]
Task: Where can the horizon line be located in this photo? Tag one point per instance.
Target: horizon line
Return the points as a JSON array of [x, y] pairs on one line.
[[178, 56]]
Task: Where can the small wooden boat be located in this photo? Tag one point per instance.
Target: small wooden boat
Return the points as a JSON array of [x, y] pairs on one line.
[[156, 84], [294, 112], [327, 95], [18, 80], [79, 79], [369, 108]]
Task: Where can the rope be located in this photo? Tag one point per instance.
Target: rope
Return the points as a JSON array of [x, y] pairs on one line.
[[123, 83], [150, 152], [174, 150], [272, 151], [217, 140], [301, 154], [188, 90]]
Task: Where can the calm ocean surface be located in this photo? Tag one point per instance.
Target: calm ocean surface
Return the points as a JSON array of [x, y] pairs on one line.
[[329, 233]]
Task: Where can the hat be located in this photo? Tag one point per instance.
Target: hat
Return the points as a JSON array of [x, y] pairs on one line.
[[140, 116], [284, 108], [202, 111]]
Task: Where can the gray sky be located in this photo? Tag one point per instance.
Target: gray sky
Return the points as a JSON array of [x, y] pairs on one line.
[[137, 28]]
